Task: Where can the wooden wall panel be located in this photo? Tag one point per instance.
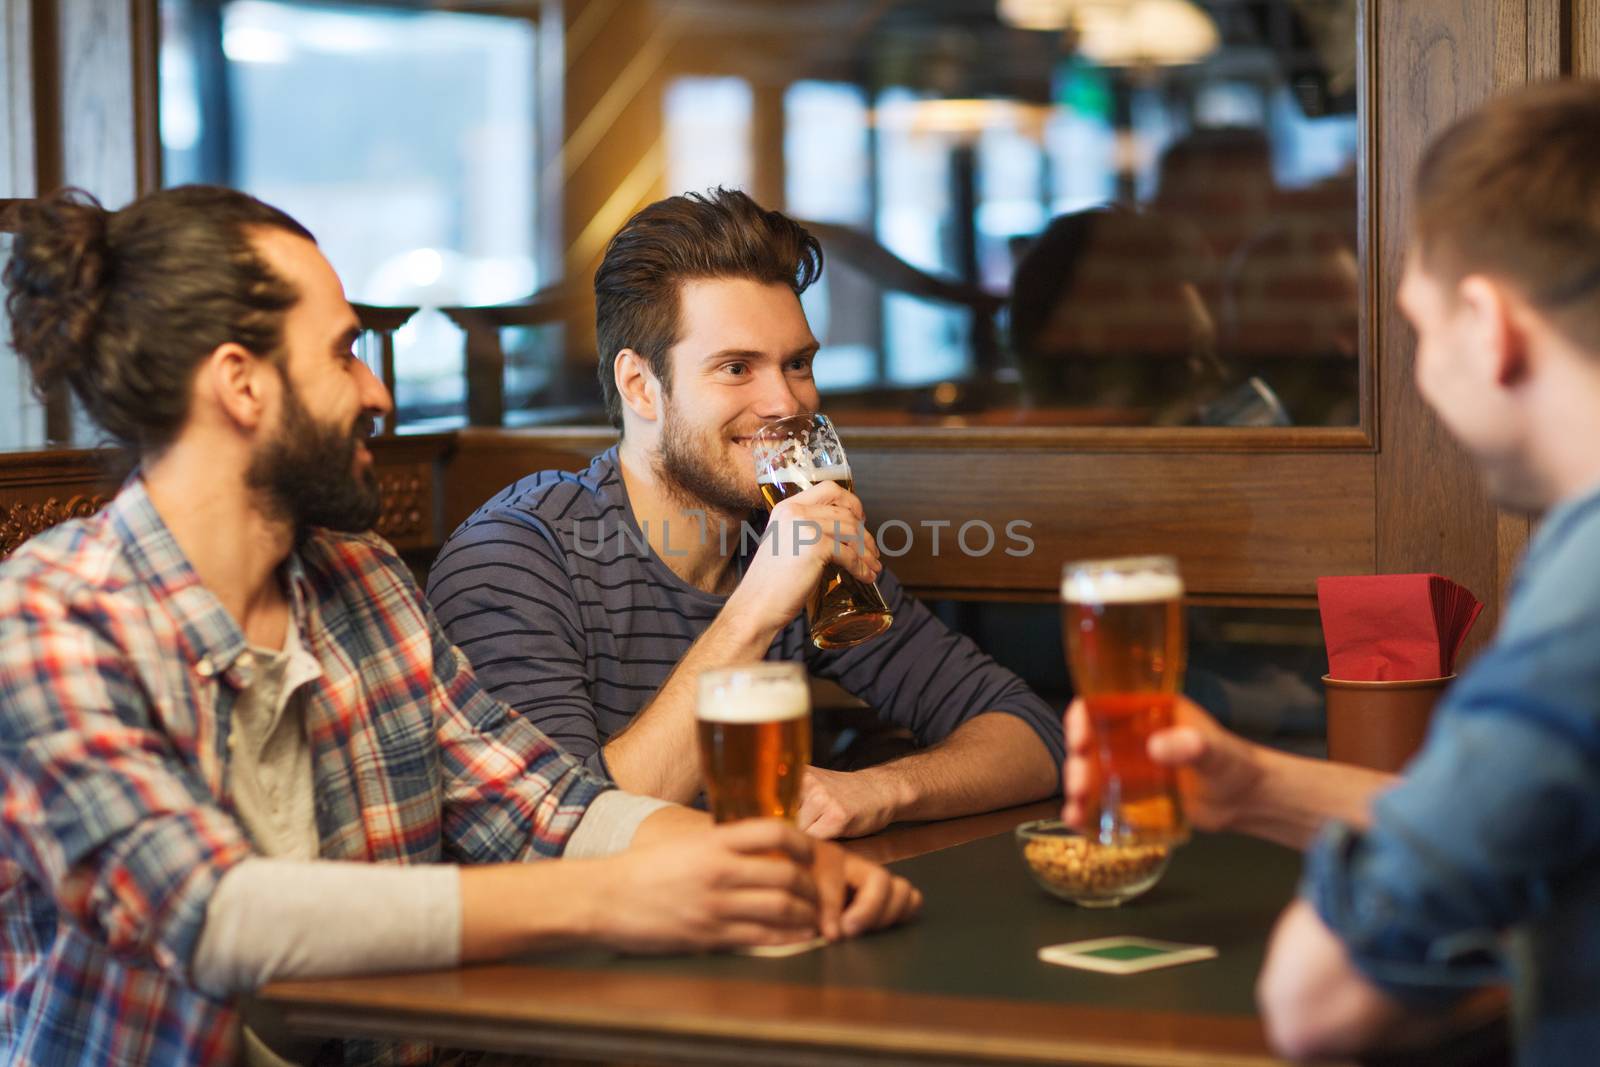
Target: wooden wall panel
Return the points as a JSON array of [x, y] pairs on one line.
[[40, 489], [1240, 524], [1584, 38], [1243, 525], [1435, 61]]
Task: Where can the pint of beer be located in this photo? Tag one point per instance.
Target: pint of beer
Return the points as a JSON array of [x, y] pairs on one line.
[[792, 455], [753, 724], [1122, 623]]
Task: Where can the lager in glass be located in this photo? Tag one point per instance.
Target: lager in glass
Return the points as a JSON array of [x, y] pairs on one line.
[[753, 725], [792, 455], [1122, 623]]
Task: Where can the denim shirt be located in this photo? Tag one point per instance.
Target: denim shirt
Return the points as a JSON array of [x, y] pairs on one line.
[[1484, 861]]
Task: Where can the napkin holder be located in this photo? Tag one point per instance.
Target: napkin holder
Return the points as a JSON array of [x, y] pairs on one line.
[[1379, 724]]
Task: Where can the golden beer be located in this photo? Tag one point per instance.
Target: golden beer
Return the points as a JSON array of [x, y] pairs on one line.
[[753, 726], [792, 455], [1122, 624]]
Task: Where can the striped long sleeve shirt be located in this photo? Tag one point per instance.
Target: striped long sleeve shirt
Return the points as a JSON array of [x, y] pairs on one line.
[[552, 591]]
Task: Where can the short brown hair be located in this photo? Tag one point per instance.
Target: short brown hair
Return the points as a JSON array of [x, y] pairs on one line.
[[723, 234], [1513, 190], [123, 306]]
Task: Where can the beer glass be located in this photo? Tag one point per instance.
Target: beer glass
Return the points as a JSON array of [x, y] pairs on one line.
[[1122, 624], [753, 725], [792, 455]]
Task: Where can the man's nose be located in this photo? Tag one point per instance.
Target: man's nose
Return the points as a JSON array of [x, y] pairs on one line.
[[374, 396], [778, 399]]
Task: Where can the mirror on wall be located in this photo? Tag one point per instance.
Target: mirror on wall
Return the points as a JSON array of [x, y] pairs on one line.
[[1109, 213]]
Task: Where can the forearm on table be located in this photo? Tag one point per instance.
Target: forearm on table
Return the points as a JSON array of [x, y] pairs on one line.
[[1295, 796], [273, 918], [519, 908], [510, 909], [655, 754], [993, 760]]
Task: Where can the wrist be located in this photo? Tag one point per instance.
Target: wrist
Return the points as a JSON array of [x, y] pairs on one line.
[[571, 912], [899, 794], [745, 625], [590, 904], [1271, 805], [1254, 801]]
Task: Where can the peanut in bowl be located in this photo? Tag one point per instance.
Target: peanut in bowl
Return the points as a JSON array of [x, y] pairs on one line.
[[1069, 865]]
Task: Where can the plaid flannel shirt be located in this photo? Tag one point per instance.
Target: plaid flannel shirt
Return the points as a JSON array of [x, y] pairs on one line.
[[118, 673]]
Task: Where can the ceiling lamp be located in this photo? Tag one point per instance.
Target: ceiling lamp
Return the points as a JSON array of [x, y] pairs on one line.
[[962, 119], [1123, 33], [1036, 14]]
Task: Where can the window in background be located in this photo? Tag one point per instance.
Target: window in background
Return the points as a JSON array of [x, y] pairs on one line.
[[21, 415], [403, 138], [917, 221], [827, 167], [708, 134], [1012, 194]]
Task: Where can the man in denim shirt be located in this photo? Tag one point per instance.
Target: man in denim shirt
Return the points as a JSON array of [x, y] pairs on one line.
[[1483, 860]]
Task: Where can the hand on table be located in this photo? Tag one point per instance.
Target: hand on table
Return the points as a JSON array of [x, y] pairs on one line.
[[843, 804], [857, 895], [744, 883], [753, 882], [1217, 771]]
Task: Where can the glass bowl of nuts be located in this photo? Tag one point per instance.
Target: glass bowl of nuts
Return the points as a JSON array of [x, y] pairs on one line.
[[1076, 867]]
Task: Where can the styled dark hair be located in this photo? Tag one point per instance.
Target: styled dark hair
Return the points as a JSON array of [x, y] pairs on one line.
[[1513, 189], [123, 306], [723, 234]]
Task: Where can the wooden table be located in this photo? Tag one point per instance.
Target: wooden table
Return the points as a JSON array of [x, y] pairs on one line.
[[961, 985]]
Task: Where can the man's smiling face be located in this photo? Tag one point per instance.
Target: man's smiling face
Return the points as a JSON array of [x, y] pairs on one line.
[[743, 358]]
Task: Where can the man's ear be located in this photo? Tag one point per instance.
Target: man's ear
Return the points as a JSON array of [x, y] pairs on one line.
[[637, 384], [1499, 335], [236, 383]]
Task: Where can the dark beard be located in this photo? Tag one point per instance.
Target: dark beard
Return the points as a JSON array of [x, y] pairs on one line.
[[307, 473], [685, 473]]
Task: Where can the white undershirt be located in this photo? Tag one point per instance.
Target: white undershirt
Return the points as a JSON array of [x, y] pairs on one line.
[[288, 914]]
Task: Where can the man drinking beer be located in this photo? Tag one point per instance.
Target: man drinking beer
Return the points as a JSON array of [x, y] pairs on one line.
[[590, 602], [1484, 857]]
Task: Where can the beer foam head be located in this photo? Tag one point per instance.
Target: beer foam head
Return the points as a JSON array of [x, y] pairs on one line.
[[812, 475], [771, 692], [1116, 583]]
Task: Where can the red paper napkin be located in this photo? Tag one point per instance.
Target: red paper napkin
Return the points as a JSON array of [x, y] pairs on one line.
[[1394, 627]]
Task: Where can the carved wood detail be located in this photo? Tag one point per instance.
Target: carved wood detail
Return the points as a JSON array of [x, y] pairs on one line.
[[24, 519], [406, 519], [40, 489]]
